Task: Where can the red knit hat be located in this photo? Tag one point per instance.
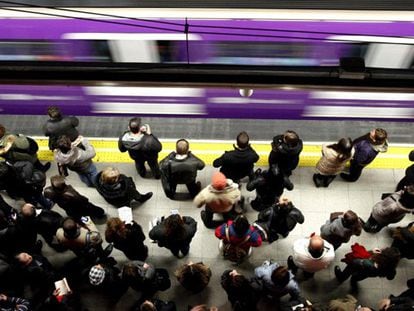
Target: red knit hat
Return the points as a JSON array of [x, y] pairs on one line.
[[218, 181]]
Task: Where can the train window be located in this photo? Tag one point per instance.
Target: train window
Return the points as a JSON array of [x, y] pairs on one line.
[[278, 53], [57, 50]]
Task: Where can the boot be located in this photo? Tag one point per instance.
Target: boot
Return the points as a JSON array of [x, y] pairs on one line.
[[145, 197]]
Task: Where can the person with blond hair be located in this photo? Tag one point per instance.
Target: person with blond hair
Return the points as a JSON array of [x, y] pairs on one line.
[[118, 189]]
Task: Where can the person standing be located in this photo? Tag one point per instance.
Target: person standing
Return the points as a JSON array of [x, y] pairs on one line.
[[238, 163], [366, 148], [286, 149], [18, 147], [175, 233], [333, 160], [311, 255], [69, 155], [180, 167], [142, 146], [408, 179], [59, 125], [219, 197]]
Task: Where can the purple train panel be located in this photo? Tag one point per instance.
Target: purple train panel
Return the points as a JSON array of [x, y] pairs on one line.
[[110, 100]]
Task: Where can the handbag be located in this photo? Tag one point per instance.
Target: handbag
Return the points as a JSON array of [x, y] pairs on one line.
[[234, 252]]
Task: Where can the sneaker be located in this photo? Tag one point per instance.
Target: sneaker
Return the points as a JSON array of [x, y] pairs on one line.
[[46, 167], [145, 197], [291, 265], [338, 274]]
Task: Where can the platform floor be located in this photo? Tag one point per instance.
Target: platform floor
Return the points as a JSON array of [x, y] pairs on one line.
[[316, 204]]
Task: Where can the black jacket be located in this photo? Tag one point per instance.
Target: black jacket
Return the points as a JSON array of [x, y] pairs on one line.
[[268, 185], [159, 234], [181, 171], [406, 244], [68, 199], [237, 163], [144, 147], [118, 194], [133, 244], [285, 156], [56, 128]]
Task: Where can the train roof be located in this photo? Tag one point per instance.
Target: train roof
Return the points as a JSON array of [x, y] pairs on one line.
[[250, 4]]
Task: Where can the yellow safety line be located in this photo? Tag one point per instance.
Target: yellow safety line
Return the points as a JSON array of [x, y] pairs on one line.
[[107, 151]]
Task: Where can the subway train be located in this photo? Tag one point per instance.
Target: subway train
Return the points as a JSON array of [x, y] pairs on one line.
[[67, 35]]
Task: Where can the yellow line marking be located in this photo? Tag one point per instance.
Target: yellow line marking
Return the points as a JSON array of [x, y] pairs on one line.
[[107, 151]]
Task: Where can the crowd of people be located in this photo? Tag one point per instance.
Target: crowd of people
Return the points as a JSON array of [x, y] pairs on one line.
[[22, 264]]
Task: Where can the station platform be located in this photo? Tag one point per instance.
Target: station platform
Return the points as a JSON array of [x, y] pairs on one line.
[[316, 205]]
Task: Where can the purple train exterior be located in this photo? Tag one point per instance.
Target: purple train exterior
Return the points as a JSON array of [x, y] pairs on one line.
[[316, 43]]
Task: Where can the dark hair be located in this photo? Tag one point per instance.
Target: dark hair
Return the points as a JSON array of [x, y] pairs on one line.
[[174, 226], [235, 285], [380, 136], [54, 112], [344, 148], [242, 140], [130, 273], [241, 225], [70, 227], [280, 276], [58, 182], [194, 277], [387, 260], [351, 221], [182, 146], [2, 130], [291, 138], [64, 144], [134, 125]]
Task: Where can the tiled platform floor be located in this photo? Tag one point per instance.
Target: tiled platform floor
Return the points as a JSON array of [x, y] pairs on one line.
[[315, 203]]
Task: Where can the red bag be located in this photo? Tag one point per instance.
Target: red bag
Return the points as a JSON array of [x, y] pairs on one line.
[[358, 252]]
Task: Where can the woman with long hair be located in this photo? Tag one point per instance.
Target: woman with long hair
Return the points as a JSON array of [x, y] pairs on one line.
[[128, 238], [332, 162], [175, 233]]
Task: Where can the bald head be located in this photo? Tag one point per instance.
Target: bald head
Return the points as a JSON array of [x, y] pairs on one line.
[[316, 246]]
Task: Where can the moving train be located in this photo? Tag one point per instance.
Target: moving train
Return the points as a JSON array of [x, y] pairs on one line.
[[136, 35]]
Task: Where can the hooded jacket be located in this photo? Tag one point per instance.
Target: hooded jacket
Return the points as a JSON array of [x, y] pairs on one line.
[[285, 156], [118, 194], [219, 201], [329, 164], [305, 261], [238, 163], [76, 159], [390, 210]]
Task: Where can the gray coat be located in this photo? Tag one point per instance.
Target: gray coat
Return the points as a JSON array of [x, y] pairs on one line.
[[76, 159], [390, 210]]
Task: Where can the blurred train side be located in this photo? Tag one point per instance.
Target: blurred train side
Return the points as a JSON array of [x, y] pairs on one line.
[[254, 42]]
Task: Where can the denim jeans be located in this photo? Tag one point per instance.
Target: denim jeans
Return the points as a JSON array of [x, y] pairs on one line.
[[88, 176]]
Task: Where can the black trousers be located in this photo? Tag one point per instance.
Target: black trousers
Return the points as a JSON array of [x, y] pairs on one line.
[[152, 163], [355, 171], [171, 187]]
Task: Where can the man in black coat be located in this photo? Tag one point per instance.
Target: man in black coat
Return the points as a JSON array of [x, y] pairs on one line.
[[408, 179], [59, 125], [142, 147], [238, 163], [180, 167], [286, 149]]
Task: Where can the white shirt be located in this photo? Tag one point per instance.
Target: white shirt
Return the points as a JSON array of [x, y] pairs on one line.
[[304, 260]]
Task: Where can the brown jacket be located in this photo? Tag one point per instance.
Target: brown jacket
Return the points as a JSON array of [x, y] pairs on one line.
[[329, 164]]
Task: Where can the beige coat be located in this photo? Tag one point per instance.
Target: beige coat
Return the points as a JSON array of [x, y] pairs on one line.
[[219, 201], [329, 164]]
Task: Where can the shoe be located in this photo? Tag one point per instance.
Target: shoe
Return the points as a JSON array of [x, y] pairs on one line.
[[108, 250], [38, 246], [145, 197], [338, 274], [345, 177], [291, 265], [157, 175], [46, 167], [203, 216], [142, 172], [288, 184], [316, 181]]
